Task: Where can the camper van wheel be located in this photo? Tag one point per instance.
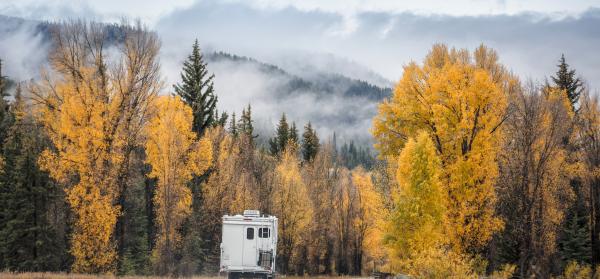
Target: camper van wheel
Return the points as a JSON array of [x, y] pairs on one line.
[[233, 275]]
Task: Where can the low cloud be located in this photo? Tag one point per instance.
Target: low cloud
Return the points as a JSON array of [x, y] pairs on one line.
[[23, 49], [528, 43]]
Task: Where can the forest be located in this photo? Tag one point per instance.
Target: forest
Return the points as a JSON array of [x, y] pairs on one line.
[[106, 169]]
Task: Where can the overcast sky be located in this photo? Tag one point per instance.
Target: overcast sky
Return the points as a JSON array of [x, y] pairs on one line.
[[380, 35]]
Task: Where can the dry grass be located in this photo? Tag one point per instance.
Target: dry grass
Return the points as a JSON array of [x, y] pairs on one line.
[[47, 275]]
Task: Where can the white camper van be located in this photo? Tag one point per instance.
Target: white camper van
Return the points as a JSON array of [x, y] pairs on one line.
[[249, 245]]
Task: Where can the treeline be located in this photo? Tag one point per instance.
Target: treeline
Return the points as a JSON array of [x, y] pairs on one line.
[[479, 173], [100, 174]]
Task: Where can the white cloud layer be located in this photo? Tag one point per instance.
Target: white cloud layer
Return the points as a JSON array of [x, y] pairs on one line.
[[360, 39]]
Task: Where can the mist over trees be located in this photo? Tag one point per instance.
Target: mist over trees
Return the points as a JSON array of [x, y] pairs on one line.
[[475, 172]]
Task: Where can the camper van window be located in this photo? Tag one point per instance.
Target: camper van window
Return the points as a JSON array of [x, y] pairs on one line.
[[263, 232], [250, 233]]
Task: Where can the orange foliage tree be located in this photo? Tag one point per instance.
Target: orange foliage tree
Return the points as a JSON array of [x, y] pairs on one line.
[[460, 101], [174, 155], [93, 113]]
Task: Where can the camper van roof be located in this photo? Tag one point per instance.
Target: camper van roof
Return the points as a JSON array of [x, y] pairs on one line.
[[246, 219], [251, 213]]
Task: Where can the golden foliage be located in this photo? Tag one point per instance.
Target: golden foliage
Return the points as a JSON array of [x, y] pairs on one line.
[[576, 271], [437, 262], [175, 155], [369, 218], [229, 188], [534, 185], [291, 204], [460, 103], [92, 114], [416, 224], [506, 271]]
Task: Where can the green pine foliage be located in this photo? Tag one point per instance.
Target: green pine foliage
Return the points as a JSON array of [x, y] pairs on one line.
[[293, 134], [280, 140], [233, 126], [246, 125], [353, 156], [4, 85], [222, 120], [136, 256], [197, 90], [28, 241], [566, 80], [310, 143], [575, 244]]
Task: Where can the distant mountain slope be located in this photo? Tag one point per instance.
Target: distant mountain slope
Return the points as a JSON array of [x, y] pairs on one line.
[[321, 83], [332, 102]]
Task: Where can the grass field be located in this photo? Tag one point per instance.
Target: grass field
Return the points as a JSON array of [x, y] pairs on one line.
[[48, 275]]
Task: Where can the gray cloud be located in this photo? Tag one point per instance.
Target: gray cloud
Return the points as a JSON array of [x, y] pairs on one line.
[[23, 49], [528, 43], [311, 41]]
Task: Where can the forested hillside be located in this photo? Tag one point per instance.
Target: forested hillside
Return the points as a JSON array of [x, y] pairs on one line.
[[341, 105], [105, 169]]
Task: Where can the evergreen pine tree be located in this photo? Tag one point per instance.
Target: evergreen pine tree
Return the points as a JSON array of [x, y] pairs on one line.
[[27, 240], [233, 127], [246, 125], [575, 243], [196, 89], [279, 141], [566, 80], [4, 83], [136, 258], [293, 134], [222, 121], [310, 143]]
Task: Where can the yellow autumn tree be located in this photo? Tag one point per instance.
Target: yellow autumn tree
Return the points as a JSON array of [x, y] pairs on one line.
[[292, 206], [174, 155], [415, 229], [533, 186], [369, 217], [418, 218], [93, 111], [230, 187], [460, 101]]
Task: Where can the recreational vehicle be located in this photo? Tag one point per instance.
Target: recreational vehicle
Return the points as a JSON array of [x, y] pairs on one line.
[[249, 245]]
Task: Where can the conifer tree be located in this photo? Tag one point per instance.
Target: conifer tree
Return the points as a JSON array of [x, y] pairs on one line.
[[575, 244], [246, 125], [196, 89], [310, 143], [3, 106], [277, 144], [27, 240], [293, 133], [566, 80], [233, 127], [222, 119]]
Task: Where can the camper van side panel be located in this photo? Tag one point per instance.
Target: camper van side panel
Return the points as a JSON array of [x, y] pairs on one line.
[[233, 237]]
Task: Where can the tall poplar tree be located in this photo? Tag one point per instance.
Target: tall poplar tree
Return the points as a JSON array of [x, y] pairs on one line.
[[463, 125], [196, 89]]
